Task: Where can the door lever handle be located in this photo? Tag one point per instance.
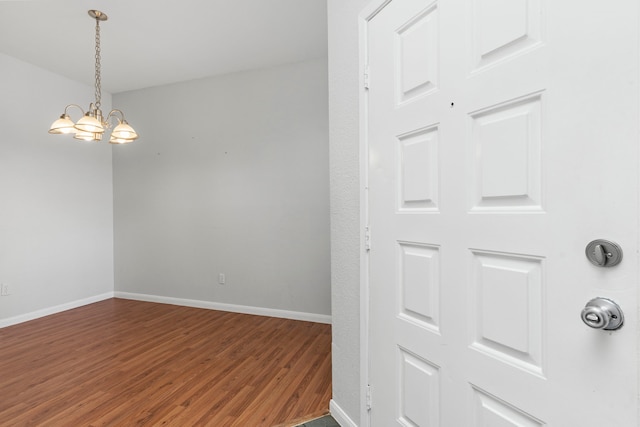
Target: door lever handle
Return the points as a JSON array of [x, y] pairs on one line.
[[602, 313]]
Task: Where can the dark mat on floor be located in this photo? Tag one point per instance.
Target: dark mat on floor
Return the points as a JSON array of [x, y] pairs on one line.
[[327, 421]]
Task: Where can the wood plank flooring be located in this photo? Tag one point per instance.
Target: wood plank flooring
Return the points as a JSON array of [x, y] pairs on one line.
[[131, 363]]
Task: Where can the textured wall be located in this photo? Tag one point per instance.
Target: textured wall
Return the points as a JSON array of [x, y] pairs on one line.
[[230, 175], [56, 221], [344, 74]]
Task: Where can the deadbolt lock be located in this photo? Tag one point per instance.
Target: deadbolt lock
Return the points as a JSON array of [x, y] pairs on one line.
[[603, 253]]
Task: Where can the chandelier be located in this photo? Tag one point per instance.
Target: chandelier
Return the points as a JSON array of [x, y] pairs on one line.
[[92, 125]]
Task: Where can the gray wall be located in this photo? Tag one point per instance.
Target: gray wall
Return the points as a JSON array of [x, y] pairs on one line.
[[230, 175], [56, 216], [344, 74]]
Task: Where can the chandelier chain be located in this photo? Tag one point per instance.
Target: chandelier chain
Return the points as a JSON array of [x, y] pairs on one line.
[[98, 82]]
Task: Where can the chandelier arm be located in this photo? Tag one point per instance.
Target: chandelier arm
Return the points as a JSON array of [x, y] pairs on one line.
[[73, 105], [112, 113]]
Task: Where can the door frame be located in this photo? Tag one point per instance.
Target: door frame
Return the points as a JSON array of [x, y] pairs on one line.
[[365, 16]]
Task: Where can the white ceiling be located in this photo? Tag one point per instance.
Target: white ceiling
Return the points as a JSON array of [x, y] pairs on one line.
[[148, 43]]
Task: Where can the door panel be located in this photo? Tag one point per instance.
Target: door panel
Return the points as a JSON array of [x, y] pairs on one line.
[[502, 138]]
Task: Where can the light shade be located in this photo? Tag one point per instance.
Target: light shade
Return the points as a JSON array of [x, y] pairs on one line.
[[113, 140], [89, 124], [63, 125], [124, 131], [88, 136]]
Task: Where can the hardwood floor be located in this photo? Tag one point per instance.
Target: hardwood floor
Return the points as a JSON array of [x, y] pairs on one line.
[[131, 363]]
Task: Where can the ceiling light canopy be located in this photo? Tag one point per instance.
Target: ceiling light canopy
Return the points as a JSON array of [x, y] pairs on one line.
[[92, 125]]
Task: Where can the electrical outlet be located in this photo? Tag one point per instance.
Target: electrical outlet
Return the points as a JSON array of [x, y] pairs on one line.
[[4, 289], [221, 278]]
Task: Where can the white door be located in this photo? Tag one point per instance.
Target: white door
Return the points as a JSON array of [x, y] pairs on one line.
[[502, 139]]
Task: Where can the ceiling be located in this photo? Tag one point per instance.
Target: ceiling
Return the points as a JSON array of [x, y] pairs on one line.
[[154, 42]]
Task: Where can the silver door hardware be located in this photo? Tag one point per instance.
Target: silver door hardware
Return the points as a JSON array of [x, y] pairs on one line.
[[603, 253], [602, 313], [367, 238]]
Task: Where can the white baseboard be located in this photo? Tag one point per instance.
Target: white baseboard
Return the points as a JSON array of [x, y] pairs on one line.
[[53, 310], [340, 416], [244, 309]]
